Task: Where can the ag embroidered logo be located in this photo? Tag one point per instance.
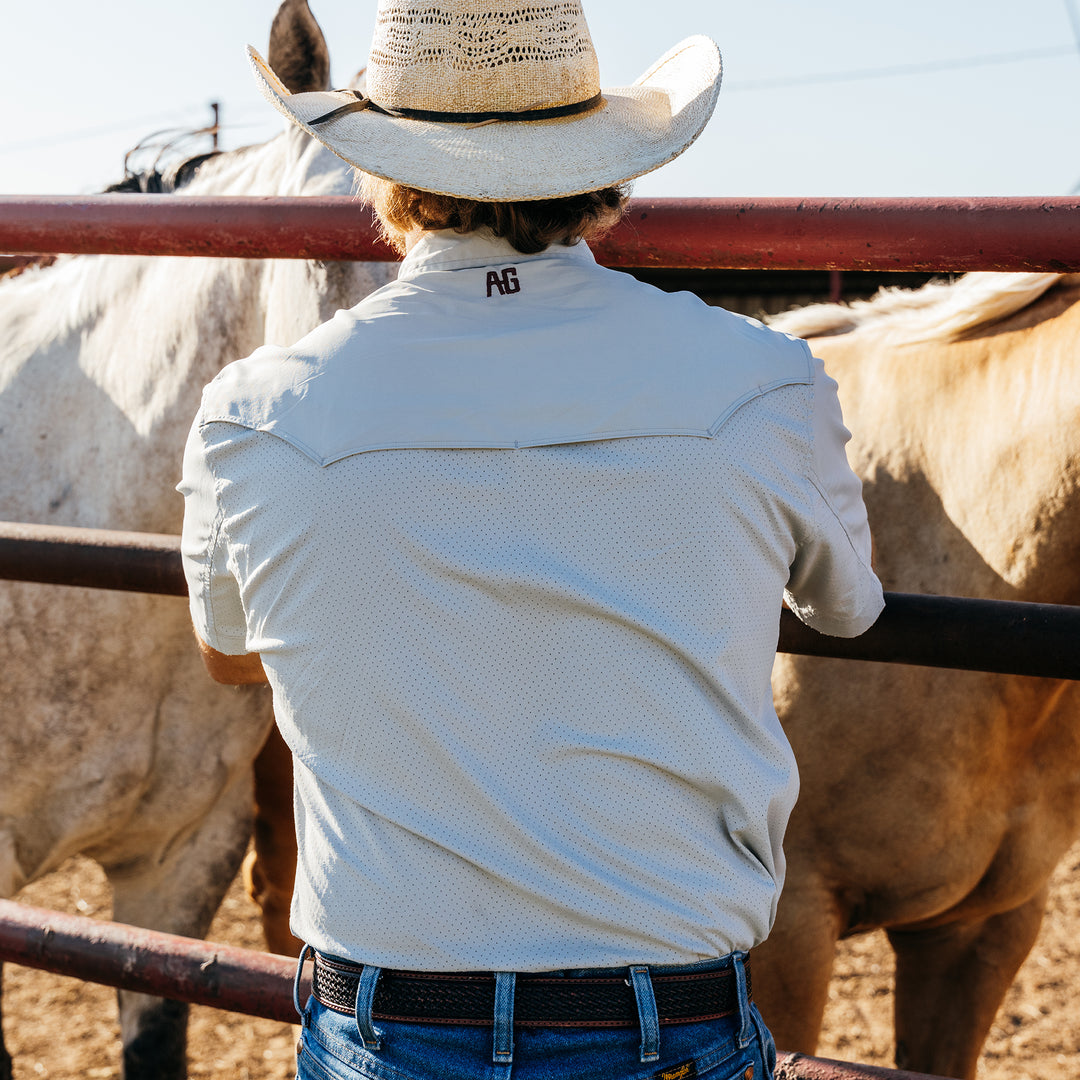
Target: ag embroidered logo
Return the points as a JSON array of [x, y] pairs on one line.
[[504, 283]]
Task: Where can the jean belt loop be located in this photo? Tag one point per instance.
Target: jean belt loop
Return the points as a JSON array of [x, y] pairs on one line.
[[641, 981], [503, 1045], [365, 997], [746, 1023], [305, 952]]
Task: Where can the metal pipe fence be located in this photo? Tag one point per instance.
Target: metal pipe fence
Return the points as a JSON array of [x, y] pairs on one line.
[[928, 234], [935, 631], [1009, 234], [148, 961], [225, 977]]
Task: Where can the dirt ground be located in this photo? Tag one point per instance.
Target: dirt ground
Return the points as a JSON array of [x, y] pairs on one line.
[[59, 1028]]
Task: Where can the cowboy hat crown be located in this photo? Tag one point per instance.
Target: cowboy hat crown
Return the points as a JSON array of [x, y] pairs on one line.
[[500, 100]]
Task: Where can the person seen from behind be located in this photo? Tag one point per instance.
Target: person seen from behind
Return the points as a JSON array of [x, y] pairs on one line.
[[510, 540]]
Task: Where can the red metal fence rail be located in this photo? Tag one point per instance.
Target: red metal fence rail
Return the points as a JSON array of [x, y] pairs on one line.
[[148, 961], [936, 234], [934, 631]]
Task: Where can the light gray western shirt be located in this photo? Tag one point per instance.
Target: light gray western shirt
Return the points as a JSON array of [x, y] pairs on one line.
[[512, 537]]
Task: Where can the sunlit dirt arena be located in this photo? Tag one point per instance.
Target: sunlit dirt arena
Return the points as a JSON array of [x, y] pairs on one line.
[[67, 1030]]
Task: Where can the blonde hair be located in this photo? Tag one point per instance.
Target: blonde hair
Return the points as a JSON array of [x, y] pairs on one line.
[[529, 226]]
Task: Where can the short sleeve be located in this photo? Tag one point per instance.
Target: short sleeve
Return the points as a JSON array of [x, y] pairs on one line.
[[214, 596], [832, 587]]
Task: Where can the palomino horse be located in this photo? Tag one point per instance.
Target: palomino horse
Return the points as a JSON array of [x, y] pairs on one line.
[[115, 742], [936, 803]]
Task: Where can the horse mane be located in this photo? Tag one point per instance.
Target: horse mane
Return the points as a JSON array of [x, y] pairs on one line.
[[162, 162], [939, 311], [161, 181]]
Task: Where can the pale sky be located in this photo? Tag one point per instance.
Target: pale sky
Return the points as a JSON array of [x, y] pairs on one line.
[[991, 109]]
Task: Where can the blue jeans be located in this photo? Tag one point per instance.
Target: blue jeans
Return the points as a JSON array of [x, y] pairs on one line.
[[737, 1047]]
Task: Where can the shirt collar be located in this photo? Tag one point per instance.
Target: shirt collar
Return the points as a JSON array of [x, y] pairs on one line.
[[447, 250]]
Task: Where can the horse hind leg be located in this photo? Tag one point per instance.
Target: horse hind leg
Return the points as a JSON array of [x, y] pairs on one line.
[[155, 1037], [6, 1068], [950, 981], [177, 894], [792, 967], [270, 868], [11, 879]]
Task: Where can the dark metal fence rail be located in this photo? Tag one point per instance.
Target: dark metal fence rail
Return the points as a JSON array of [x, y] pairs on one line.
[[94, 558], [935, 631], [225, 977], [928, 234], [1000, 636]]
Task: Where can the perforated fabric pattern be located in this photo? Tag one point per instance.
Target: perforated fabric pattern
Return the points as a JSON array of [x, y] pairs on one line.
[[521, 681], [528, 689], [461, 57]]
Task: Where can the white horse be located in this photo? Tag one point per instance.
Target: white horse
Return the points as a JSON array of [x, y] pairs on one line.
[[936, 803], [114, 741]]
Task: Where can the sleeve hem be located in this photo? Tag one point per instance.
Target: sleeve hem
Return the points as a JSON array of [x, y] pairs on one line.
[[845, 626]]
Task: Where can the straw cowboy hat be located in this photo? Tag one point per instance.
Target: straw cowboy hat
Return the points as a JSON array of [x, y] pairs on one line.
[[500, 100]]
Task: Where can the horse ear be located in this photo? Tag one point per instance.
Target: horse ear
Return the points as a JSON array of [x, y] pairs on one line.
[[298, 52]]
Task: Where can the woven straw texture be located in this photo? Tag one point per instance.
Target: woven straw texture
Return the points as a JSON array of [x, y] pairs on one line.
[[454, 56], [528, 54]]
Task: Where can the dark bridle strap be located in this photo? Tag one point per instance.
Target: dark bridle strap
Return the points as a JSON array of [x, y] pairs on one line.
[[363, 102]]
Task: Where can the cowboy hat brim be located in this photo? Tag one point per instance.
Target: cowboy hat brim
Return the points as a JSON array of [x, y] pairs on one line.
[[633, 130]]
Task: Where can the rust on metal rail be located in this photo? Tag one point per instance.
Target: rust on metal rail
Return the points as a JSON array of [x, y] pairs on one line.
[[926, 234], [804, 1067], [148, 961], [225, 977], [933, 631]]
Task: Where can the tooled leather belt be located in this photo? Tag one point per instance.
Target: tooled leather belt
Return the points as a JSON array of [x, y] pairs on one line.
[[540, 1000]]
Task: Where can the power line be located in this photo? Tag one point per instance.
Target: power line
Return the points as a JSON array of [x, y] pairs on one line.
[[821, 78], [817, 78], [87, 133]]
